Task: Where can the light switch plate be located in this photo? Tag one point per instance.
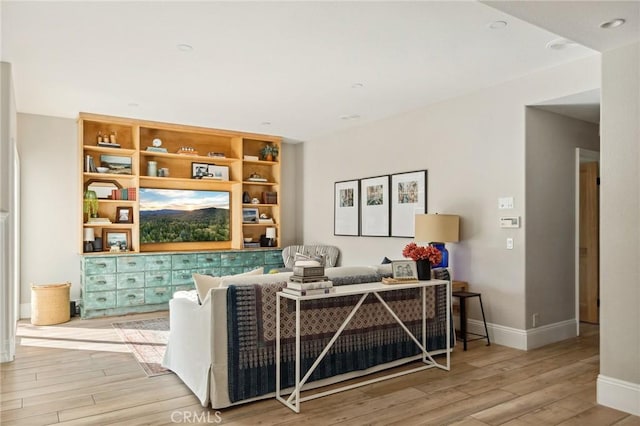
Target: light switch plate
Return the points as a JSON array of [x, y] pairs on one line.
[[510, 243], [505, 203]]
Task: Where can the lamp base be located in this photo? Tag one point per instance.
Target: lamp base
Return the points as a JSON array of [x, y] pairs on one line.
[[444, 263], [88, 246]]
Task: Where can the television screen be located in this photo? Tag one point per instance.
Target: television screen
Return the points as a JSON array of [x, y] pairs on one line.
[[181, 215]]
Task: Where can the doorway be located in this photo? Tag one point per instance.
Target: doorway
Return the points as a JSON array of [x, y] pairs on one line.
[[587, 237]]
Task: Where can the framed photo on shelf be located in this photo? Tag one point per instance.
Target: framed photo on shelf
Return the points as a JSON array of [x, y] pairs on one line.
[[346, 208], [218, 172], [250, 215], [124, 214], [116, 239], [199, 170], [374, 207], [116, 164], [404, 270], [408, 198]]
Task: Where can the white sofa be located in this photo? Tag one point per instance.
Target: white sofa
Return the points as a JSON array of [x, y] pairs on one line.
[[198, 350]]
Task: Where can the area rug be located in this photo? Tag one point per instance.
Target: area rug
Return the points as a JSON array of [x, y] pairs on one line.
[[147, 340]]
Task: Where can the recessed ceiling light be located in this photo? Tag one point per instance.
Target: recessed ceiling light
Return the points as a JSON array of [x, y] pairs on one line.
[[184, 47], [614, 23], [498, 25], [561, 44], [357, 86]]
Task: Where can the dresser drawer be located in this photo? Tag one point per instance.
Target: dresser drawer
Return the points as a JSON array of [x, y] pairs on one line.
[[157, 278], [184, 287], [156, 295], [184, 261], [99, 265], [131, 280], [214, 272], [130, 297], [158, 263], [99, 282], [99, 300], [233, 270], [131, 263], [208, 260], [184, 276], [231, 259], [254, 259], [273, 257]]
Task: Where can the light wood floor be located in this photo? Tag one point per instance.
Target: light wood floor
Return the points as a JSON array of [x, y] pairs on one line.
[[80, 373]]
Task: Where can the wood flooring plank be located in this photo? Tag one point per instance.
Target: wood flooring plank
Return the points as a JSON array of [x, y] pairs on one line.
[[47, 408], [37, 420], [10, 404], [516, 407], [629, 421], [598, 415]]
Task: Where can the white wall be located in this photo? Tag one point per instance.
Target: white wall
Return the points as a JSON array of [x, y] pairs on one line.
[[473, 148], [619, 381], [551, 140], [50, 212]]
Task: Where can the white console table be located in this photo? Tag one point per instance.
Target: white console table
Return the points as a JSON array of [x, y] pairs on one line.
[[364, 290]]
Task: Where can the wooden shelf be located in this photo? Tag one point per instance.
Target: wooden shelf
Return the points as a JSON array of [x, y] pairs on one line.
[[135, 136]]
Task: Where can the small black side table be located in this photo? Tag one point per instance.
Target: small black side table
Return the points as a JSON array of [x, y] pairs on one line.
[[463, 296]]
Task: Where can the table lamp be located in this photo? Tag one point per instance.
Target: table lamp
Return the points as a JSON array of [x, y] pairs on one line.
[[438, 229], [89, 238], [271, 237]]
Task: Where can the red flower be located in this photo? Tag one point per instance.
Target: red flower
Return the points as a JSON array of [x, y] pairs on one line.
[[416, 252]]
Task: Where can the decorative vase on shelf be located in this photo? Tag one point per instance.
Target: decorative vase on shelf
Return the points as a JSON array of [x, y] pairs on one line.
[[424, 269], [444, 263]]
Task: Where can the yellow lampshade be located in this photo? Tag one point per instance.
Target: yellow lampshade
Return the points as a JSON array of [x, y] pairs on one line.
[[440, 228]]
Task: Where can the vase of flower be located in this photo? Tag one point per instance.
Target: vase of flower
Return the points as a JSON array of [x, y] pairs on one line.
[[424, 269], [424, 258]]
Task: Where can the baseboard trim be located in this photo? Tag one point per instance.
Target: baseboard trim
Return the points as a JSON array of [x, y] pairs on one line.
[[618, 394], [525, 339]]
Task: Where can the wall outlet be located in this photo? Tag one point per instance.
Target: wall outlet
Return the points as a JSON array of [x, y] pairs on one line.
[[536, 320]]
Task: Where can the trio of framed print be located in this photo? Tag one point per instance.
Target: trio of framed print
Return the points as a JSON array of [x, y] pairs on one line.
[[380, 206]]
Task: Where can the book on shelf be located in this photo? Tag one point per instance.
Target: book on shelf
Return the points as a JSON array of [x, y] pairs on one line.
[[309, 292], [299, 279], [310, 286], [308, 271], [255, 179], [252, 245], [269, 197], [99, 221], [266, 221], [109, 144], [251, 157]]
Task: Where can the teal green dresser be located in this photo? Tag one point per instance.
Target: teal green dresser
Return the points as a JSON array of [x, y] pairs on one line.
[[122, 284]]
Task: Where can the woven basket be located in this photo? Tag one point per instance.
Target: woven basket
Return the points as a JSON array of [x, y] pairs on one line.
[[50, 304]]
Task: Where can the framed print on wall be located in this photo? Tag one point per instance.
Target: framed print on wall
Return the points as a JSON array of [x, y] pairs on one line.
[[374, 207], [346, 208], [408, 198]]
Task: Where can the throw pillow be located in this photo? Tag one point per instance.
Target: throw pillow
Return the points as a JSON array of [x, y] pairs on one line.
[[204, 283]]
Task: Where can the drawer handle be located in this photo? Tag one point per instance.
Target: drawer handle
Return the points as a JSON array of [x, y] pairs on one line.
[[209, 259], [159, 262], [102, 299], [185, 276], [232, 258], [159, 278], [131, 280], [159, 293], [185, 260], [131, 296], [101, 265], [131, 263]]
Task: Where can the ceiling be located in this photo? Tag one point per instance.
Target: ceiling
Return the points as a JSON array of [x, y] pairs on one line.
[[297, 69]]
